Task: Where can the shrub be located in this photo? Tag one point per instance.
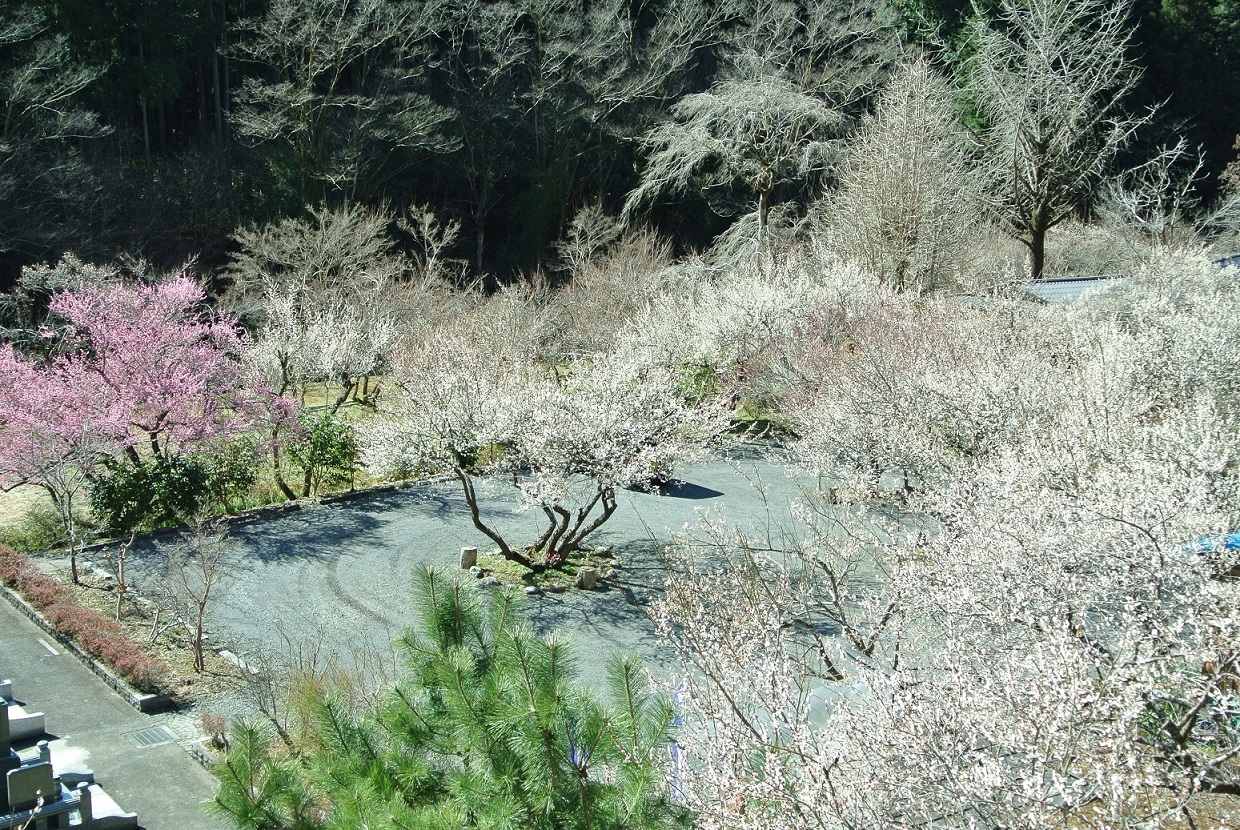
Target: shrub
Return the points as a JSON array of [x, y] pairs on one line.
[[165, 491], [12, 565], [97, 634], [327, 453], [41, 590]]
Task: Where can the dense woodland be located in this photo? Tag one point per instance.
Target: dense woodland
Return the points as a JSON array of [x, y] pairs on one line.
[[158, 130]]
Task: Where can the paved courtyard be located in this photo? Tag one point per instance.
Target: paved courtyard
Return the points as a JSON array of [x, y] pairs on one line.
[[340, 574]]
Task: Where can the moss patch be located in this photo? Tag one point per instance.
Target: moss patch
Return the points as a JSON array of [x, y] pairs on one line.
[[561, 576]]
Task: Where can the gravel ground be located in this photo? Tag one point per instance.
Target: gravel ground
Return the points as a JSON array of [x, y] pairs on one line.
[[337, 577]]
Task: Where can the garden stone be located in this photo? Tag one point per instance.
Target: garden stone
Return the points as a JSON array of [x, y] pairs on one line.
[[469, 558], [587, 579], [532, 590], [488, 582], [476, 571]]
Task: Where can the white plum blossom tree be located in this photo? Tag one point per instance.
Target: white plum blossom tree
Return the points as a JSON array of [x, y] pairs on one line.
[[1044, 635], [319, 286], [474, 401]]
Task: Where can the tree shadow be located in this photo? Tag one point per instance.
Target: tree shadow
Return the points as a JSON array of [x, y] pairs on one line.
[[613, 619], [678, 489]]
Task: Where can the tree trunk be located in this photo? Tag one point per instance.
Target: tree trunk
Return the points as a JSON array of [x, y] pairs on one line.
[[278, 474], [480, 230], [1039, 227], [146, 126], [764, 210], [471, 498], [1037, 253]]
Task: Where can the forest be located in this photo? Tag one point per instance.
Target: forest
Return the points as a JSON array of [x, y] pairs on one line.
[[263, 252], [158, 131]]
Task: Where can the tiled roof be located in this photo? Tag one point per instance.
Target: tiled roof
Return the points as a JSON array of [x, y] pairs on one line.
[[1069, 289]]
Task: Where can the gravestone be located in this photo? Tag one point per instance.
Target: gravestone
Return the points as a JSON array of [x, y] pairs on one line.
[[27, 784], [8, 758]]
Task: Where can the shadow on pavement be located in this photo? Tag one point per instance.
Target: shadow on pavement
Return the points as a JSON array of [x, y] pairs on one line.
[[678, 489]]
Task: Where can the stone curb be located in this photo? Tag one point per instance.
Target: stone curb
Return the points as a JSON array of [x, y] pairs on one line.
[[199, 752], [142, 702]]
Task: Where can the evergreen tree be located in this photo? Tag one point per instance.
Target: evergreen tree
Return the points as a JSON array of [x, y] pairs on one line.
[[489, 728]]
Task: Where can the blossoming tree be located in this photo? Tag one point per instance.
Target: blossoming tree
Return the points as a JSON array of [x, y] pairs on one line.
[[1044, 634], [475, 402], [143, 371]]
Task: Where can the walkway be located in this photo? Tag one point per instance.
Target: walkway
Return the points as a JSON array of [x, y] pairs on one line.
[[338, 576], [91, 724]]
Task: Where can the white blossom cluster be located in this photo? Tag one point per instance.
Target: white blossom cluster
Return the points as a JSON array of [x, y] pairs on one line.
[[1042, 631], [475, 400]]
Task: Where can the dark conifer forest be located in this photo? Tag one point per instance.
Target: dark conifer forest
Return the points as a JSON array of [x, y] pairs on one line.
[[159, 129]]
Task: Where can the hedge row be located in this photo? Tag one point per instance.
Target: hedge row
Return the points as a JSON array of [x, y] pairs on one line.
[[97, 634]]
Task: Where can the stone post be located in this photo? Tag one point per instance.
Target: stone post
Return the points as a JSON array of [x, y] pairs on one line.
[[469, 558], [5, 745], [587, 579], [85, 806]]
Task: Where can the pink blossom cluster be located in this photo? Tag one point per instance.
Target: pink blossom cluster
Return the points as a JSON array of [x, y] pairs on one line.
[[138, 365]]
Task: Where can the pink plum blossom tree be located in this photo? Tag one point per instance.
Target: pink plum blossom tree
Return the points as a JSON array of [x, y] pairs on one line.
[[56, 422], [173, 368], [141, 370]]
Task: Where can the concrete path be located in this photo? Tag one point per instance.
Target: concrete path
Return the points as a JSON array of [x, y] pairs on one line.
[[90, 725]]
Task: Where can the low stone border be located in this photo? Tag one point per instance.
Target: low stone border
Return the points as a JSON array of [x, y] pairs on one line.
[[205, 757], [142, 702]]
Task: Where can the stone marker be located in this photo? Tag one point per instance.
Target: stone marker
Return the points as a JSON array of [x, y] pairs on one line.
[[27, 784], [469, 558], [587, 579], [85, 801]]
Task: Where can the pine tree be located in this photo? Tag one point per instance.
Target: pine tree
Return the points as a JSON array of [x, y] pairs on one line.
[[489, 728]]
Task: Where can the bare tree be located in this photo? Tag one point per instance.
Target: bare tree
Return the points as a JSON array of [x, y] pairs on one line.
[[196, 570], [280, 679], [1048, 79], [759, 130], [1158, 199], [335, 93], [907, 200], [41, 118], [115, 559], [320, 284], [839, 51]]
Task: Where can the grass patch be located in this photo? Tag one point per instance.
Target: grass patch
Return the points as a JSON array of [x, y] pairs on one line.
[[35, 530]]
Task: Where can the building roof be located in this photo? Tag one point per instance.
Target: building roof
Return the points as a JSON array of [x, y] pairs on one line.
[[1068, 289]]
